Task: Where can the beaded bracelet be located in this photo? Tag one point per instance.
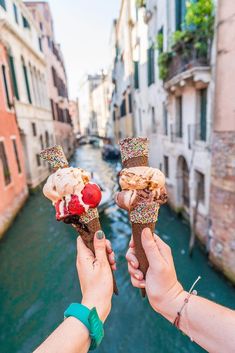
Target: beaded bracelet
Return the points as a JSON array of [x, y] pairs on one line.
[[191, 292]]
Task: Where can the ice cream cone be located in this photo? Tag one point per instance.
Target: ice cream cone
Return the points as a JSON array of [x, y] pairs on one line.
[[134, 153], [86, 224]]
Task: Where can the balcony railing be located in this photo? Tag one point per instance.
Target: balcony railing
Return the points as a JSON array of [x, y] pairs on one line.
[[183, 60]]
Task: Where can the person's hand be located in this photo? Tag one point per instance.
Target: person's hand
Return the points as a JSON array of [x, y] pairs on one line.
[[95, 274], [161, 284]]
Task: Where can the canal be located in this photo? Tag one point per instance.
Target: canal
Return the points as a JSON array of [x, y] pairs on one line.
[[38, 278]]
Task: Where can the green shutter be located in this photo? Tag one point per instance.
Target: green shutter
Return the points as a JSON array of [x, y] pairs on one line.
[[203, 108], [150, 66], [136, 74], [180, 12], [3, 4], [13, 77], [6, 86], [27, 83]]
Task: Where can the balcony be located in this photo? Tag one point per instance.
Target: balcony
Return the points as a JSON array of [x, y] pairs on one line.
[[187, 63]]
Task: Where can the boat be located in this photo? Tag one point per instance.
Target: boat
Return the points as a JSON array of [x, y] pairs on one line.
[[110, 152]]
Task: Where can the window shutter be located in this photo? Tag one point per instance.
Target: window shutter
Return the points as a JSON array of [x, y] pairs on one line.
[[13, 77], [136, 74], [203, 108], [27, 83], [3, 4]]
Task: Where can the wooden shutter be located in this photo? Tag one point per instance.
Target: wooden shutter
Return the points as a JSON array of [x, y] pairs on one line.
[[203, 108], [13, 77]]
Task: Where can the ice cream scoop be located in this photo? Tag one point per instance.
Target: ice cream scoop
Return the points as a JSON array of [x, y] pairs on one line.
[[65, 181], [128, 199], [139, 178]]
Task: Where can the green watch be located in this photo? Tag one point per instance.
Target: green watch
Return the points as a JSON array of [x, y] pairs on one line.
[[90, 319]]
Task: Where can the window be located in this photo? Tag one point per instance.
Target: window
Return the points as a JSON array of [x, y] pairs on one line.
[[15, 10], [26, 82], [40, 43], [123, 108], [41, 26], [38, 159], [53, 109], [34, 129], [6, 86], [114, 115], [154, 124], [179, 117], [41, 142], [47, 139], [151, 66], [130, 102], [165, 120], [166, 165], [202, 97], [6, 170], [180, 11], [200, 180], [136, 74], [16, 155], [3, 4], [13, 77], [25, 22]]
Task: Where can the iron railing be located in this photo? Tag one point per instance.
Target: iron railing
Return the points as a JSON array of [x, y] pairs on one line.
[[184, 60]]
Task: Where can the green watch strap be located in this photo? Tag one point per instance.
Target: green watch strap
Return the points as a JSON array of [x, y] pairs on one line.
[[90, 319]]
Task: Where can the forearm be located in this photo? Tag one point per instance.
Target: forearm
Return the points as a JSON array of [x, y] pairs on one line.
[[211, 325], [70, 337]]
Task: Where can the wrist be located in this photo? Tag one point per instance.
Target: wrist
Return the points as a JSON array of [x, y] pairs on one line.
[[170, 307], [102, 310]]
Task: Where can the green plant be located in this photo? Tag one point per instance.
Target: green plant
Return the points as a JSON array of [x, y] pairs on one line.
[[140, 3], [163, 64], [159, 40], [197, 34]]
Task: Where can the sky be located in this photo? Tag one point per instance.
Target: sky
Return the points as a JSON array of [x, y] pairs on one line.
[[83, 29]]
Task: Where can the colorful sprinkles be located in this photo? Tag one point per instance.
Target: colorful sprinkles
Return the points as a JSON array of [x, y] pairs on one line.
[[92, 213], [132, 147], [55, 156], [145, 213]]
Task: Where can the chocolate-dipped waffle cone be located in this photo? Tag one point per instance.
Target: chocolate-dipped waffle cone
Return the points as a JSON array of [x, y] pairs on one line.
[[88, 223], [135, 153]]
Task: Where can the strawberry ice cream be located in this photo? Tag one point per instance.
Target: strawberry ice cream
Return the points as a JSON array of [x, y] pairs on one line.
[[71, 192]]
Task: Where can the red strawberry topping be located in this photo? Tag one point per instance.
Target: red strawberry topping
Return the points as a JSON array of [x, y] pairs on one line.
[[91, 195], [57, 209], [74, 207]]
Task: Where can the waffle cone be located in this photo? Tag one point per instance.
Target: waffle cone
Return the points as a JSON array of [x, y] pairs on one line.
[[87, 232], [137, 229], [141, 161]]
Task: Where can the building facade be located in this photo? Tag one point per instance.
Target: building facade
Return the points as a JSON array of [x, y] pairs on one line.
[[22, 38], [122, 71], [178, 103], [56, 76], [88, 115], [13, 187], [100, 100]]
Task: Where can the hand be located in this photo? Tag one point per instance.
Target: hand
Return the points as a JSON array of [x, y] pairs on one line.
[[95, 274], [161, 284]]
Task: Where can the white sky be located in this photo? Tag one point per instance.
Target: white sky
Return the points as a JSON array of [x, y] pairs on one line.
[[83, 28]]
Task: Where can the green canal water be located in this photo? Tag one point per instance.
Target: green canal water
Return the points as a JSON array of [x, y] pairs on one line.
[[38, 278]]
